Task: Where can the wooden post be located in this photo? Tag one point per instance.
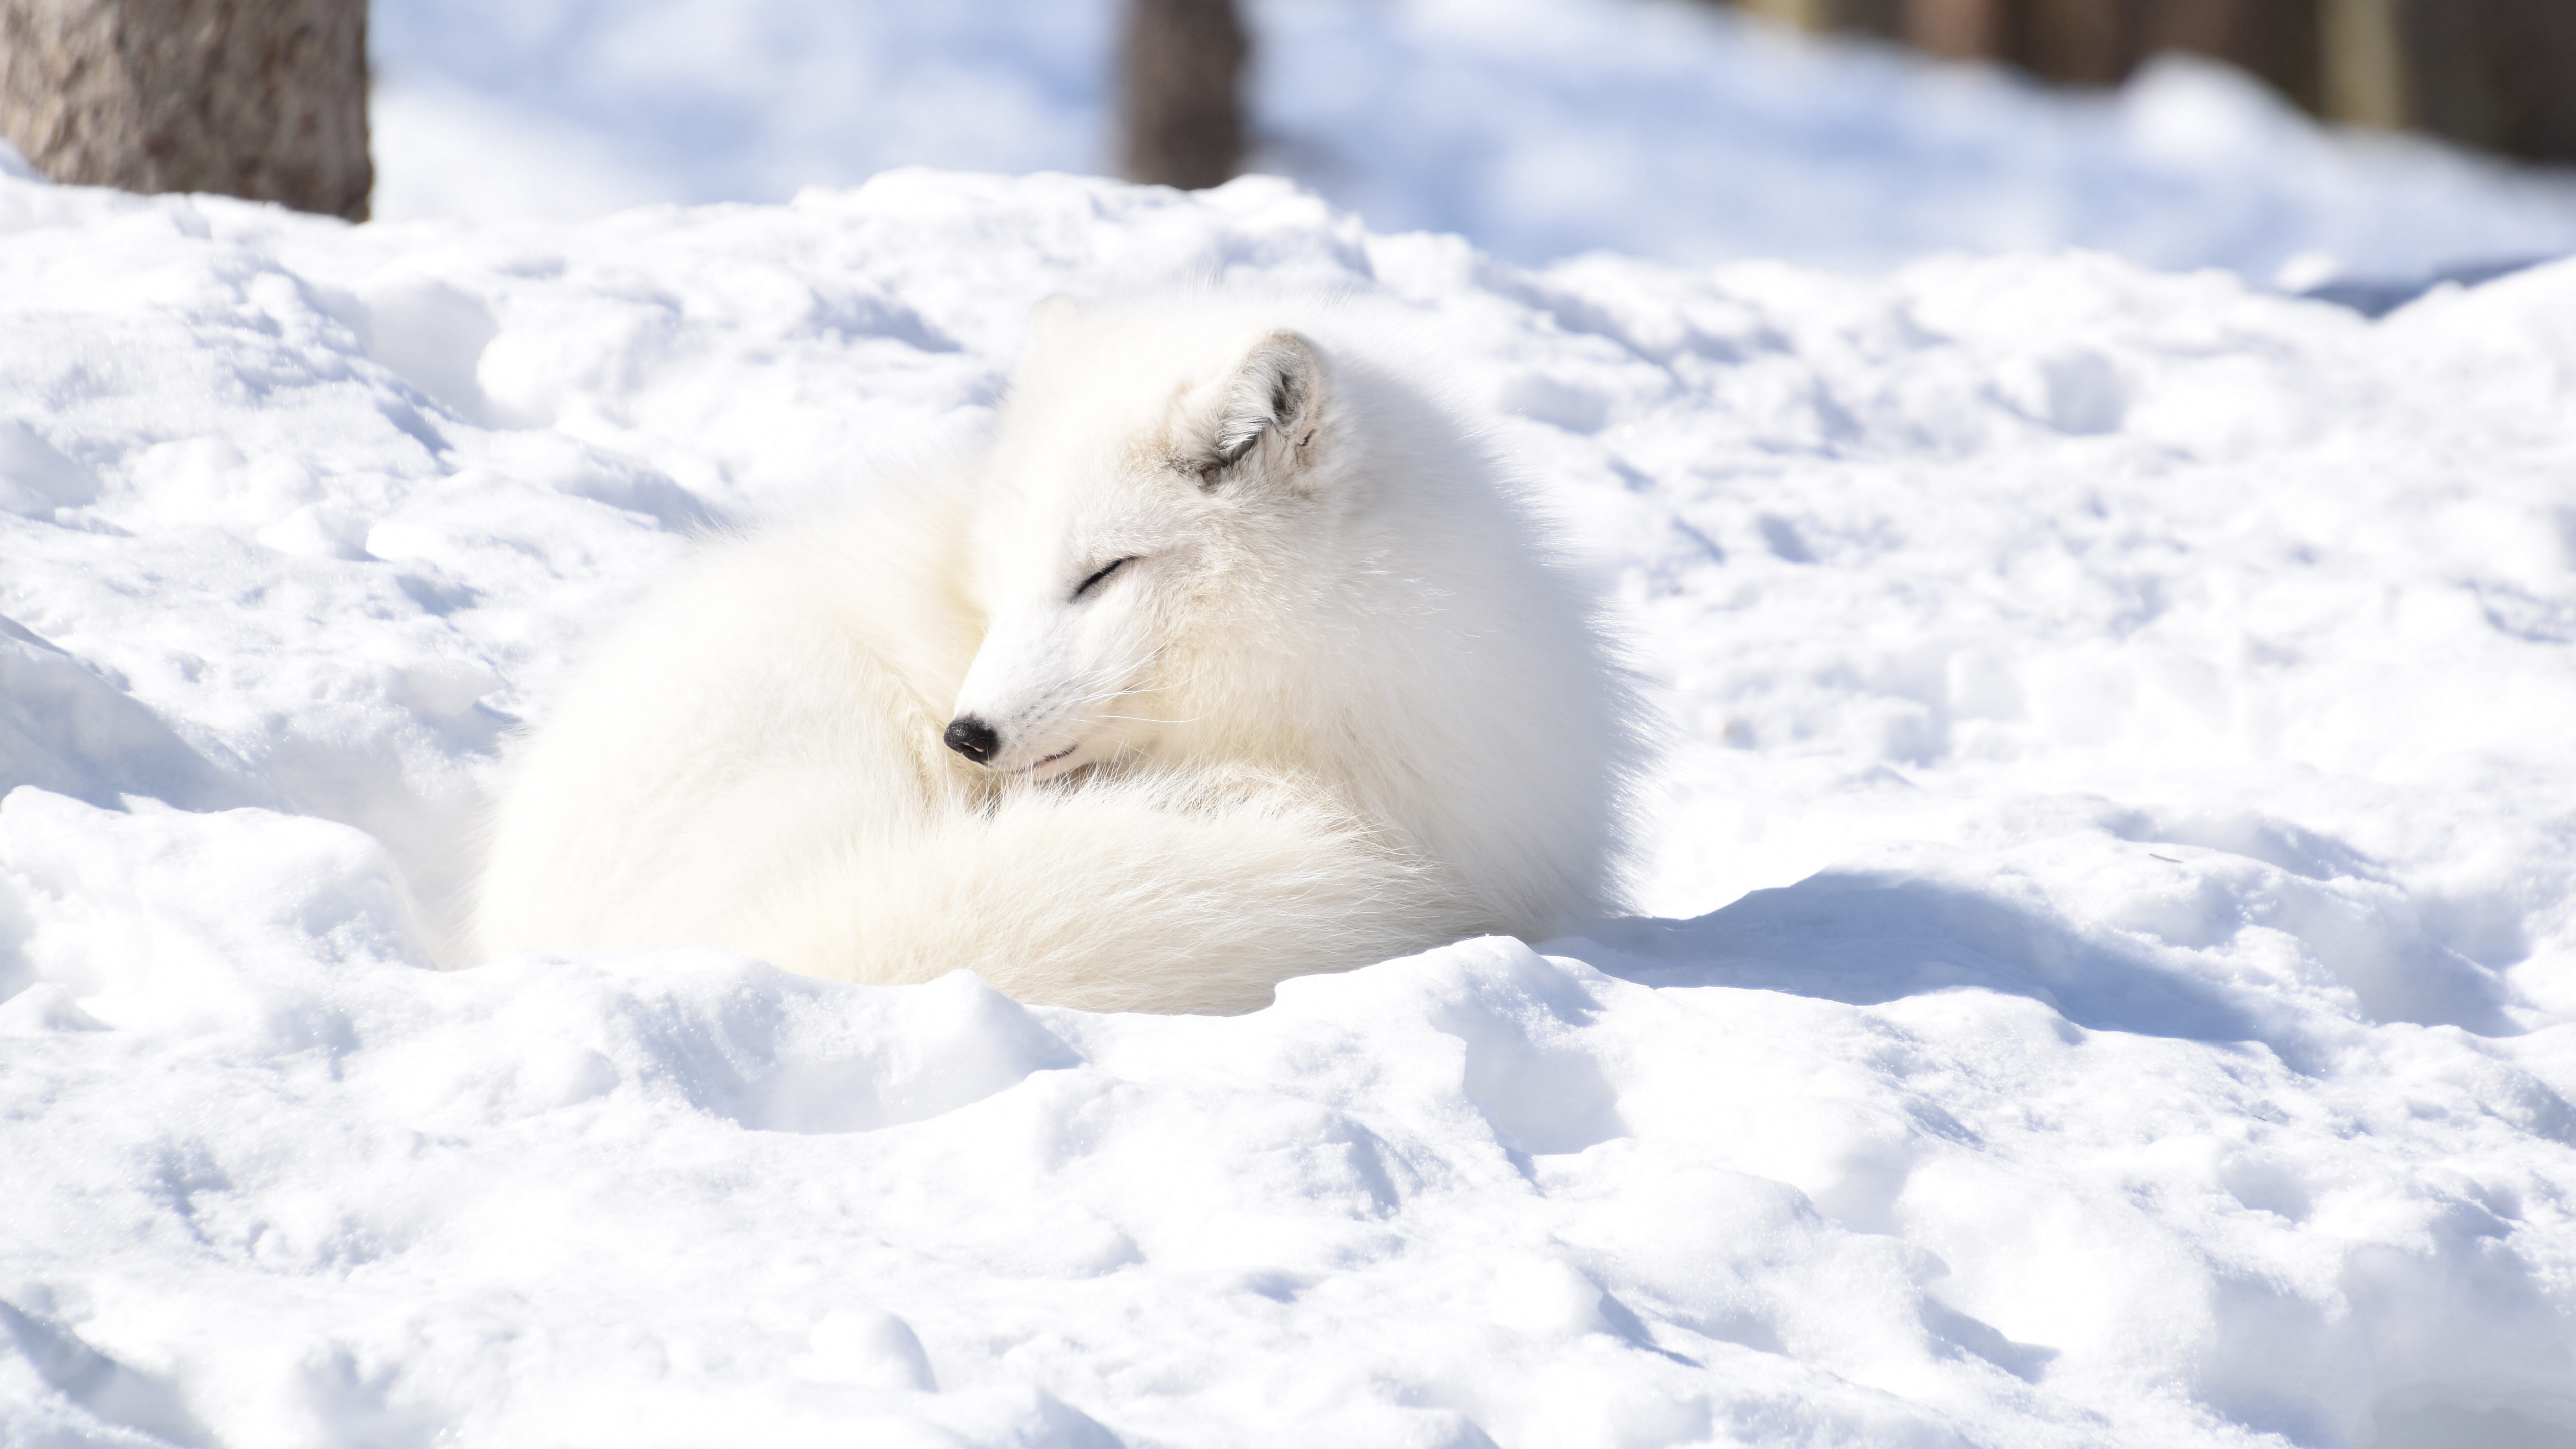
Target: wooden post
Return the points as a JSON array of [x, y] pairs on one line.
[[265, 99], [1181, 118]]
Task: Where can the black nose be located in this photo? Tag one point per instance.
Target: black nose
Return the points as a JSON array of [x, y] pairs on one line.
[[972, 738]]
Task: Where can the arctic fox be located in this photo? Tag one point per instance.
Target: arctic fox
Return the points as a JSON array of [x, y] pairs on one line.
[[1230, 657]]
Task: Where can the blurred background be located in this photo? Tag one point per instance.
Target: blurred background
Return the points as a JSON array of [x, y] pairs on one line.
[[2301, 143]]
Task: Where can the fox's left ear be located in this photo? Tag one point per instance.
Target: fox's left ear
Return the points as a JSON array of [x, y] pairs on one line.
[[1268, 414]]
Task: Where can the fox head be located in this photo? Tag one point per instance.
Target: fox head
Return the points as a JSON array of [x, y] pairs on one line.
[[1152, 475]]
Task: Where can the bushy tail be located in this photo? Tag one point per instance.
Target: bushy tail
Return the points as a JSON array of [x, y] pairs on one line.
[[1161, 893]]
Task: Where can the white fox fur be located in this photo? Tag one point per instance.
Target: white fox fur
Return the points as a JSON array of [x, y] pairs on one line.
[[1332, 704]]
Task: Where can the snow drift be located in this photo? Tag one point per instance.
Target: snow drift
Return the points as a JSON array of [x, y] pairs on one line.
[[2114, 942], [1539, 129]]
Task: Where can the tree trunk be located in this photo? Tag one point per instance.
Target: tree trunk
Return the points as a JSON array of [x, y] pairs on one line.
[[2364, 54], [1957, 29], [2079, 42], [2274, 39], [1180, 112], [1803, 14], [1874, 17], [265, 99], [2454, 67], [2537, 39]]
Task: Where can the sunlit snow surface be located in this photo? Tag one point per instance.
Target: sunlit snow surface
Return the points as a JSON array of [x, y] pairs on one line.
[[1537, 129], [2113, 906]]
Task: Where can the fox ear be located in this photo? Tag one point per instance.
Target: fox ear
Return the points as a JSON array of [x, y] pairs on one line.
[[1267, 413], [1050, 317]]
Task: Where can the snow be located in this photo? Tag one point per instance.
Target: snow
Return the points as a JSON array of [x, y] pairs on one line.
[[2106, 974], [1538, 129]]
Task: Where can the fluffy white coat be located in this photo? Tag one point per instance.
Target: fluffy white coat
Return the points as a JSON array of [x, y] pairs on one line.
[[1267, 668]]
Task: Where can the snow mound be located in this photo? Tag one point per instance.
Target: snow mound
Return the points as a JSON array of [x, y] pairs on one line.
[[2112, 946], [1536, 128]]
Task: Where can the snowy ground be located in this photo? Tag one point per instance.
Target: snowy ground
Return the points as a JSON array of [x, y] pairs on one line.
[[2108, 964], [1536, 128]]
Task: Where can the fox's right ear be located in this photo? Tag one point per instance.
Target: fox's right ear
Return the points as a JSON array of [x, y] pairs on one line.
[[1050, 318]]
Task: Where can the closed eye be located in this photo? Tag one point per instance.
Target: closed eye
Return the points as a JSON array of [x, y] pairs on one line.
[[1105, 570]]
